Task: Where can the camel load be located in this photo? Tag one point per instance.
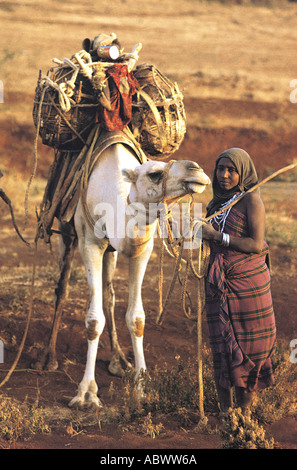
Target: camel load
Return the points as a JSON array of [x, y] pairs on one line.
[[98, 85], [158, 116], [91, 101]]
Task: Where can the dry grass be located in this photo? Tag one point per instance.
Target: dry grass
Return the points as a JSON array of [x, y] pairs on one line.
[[240, 431], [20, 420], [280, 203], [214, 51], [166, 396]]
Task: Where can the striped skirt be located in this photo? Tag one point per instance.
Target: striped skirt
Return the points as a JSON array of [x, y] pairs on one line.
[[240, 318]]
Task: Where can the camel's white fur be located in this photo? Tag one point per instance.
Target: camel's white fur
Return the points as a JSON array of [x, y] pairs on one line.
[[120, 184]]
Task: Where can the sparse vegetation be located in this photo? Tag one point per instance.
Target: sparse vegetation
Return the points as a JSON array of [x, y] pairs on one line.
[[174, 391], [281, 230], [20, 420], [145, 425], [240, 431], [166, 391], [280, 216], [171, 391], [280, 400], [233, 61]]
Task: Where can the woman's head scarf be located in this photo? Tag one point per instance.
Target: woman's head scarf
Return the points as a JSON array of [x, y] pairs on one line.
[[247, 178]]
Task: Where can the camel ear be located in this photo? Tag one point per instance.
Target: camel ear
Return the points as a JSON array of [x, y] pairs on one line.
[[129, 175]]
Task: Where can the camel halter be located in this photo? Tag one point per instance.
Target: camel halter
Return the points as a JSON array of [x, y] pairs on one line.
[[165, 178]]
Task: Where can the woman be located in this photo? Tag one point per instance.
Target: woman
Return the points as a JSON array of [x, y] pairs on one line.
[[239, 307]]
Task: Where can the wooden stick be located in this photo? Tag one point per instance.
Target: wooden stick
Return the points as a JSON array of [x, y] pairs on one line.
[[265, 180], [199, 349], [8, 202]]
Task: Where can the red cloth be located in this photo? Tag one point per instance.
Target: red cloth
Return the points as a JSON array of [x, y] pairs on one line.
[[122, 86]]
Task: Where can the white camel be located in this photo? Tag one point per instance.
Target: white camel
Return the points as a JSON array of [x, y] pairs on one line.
[[118, 185]]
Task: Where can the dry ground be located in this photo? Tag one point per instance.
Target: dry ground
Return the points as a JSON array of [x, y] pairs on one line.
[[234, 64]]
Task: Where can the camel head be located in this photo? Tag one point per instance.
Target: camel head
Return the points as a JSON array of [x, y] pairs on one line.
[[182, 177]]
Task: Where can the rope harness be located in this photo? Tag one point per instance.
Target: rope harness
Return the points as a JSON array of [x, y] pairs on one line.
[[203, 262], [177, 253]]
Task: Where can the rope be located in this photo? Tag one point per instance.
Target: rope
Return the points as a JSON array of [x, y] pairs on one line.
[[66, 89], [162, 307], [200, 273], [64, 94], [203, 261]]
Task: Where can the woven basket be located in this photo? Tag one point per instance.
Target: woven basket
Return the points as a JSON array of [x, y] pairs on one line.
[[158, 115], [57, 128]]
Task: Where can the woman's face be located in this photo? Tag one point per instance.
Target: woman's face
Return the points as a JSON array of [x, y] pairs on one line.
[[227, 174]]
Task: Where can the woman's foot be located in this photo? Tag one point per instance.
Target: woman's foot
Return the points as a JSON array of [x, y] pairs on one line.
[[243, 398]]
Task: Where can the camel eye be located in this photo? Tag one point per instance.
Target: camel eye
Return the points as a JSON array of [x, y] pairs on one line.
[[156, 176]]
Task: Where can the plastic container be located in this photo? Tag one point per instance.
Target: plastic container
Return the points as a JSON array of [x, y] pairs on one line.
[[108, 52]]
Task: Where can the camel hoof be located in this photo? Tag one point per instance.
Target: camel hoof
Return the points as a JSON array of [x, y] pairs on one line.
[[115, 368], [141, 396], [45, 363], [37, 365], [86, 397], [51, 365], [115, 365], [85, 403]]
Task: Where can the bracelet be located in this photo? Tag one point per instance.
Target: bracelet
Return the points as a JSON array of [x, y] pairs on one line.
[[226, 239]]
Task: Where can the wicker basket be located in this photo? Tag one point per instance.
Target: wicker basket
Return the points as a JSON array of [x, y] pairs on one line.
[[158, 115], [57, 128]]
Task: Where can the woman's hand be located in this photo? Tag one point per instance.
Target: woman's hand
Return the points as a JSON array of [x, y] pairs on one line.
[[209, 233], [254, 208]]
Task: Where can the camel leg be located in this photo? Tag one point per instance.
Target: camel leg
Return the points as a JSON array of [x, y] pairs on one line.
[[135, 316], [67, 245], [92, 256], [117, 355]]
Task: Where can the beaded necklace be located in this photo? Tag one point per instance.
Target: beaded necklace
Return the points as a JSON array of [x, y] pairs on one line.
[[220, 219]]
